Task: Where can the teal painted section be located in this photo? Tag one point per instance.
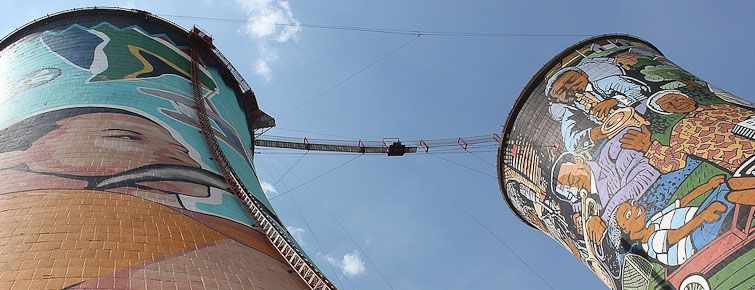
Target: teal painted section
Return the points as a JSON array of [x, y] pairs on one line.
[[146, 75], [228, 207]]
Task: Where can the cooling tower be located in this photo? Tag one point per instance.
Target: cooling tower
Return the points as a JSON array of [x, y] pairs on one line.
[[126, 151], [641, 170]]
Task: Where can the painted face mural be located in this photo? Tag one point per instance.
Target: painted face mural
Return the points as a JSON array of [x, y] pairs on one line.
[[105, 174], [640, 169], [149, 161]]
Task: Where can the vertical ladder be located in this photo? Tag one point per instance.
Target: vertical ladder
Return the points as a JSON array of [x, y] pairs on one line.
[[274, 231]]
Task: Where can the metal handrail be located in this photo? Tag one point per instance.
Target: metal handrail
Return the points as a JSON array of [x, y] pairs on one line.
[[275, 233]]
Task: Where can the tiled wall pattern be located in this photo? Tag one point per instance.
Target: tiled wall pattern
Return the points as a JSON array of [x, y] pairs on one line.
[[105, 180], [56, 238], [638, 168]]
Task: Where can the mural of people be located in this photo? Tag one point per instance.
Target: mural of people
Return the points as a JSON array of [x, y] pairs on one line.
[[606, 178], [706, 132], [650, 170], [572, 89], [673, 235]]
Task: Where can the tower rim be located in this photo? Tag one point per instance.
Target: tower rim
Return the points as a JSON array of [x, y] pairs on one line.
[[256, 118]]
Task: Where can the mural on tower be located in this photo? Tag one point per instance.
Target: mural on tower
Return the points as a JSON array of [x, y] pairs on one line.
[[105, 173], [147, 122], [641, 170]]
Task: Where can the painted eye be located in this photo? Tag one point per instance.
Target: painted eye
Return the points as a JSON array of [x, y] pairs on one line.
[[629, 214], [125, 137]]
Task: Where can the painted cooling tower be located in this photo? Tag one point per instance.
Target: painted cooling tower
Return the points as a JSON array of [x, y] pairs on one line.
[[126, 162], [643, 171]]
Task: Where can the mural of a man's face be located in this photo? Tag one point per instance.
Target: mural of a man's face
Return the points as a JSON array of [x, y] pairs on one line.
[[84, 147], [577, 174], [677, 103], [630, 217], [105, 144], [568, 85]]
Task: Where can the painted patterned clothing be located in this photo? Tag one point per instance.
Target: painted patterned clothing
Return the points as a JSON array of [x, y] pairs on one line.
[[600, 67], [673, 217], [628, 91], [575, 126], [706, 134], [609, 81], [576, 120], [620, 175]]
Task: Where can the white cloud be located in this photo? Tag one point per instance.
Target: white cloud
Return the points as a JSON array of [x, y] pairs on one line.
[[267, 187], [350, 265], [288, 31], [268, 20], [262, 68], [297, 233]]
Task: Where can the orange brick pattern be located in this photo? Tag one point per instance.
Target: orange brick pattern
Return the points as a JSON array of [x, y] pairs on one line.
[[58, 238], [223, 265], [55, 238]]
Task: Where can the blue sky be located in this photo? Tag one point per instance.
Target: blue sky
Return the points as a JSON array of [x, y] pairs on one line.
[[398, 210]]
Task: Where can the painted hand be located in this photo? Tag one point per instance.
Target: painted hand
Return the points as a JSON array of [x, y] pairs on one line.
[[635, 139], [716, 181], [602, 109], [596, 133], [595, 228], [713, 212]]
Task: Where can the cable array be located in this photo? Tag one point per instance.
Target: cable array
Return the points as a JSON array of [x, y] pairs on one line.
[[316, 177], [350, 76], [332, 216], [463, 166], [479, 222], [306, 223], [289, 169], [384, 30], [343, 228]]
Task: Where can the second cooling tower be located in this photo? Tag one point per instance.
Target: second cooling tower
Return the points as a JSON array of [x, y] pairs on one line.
[[641, 170]]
